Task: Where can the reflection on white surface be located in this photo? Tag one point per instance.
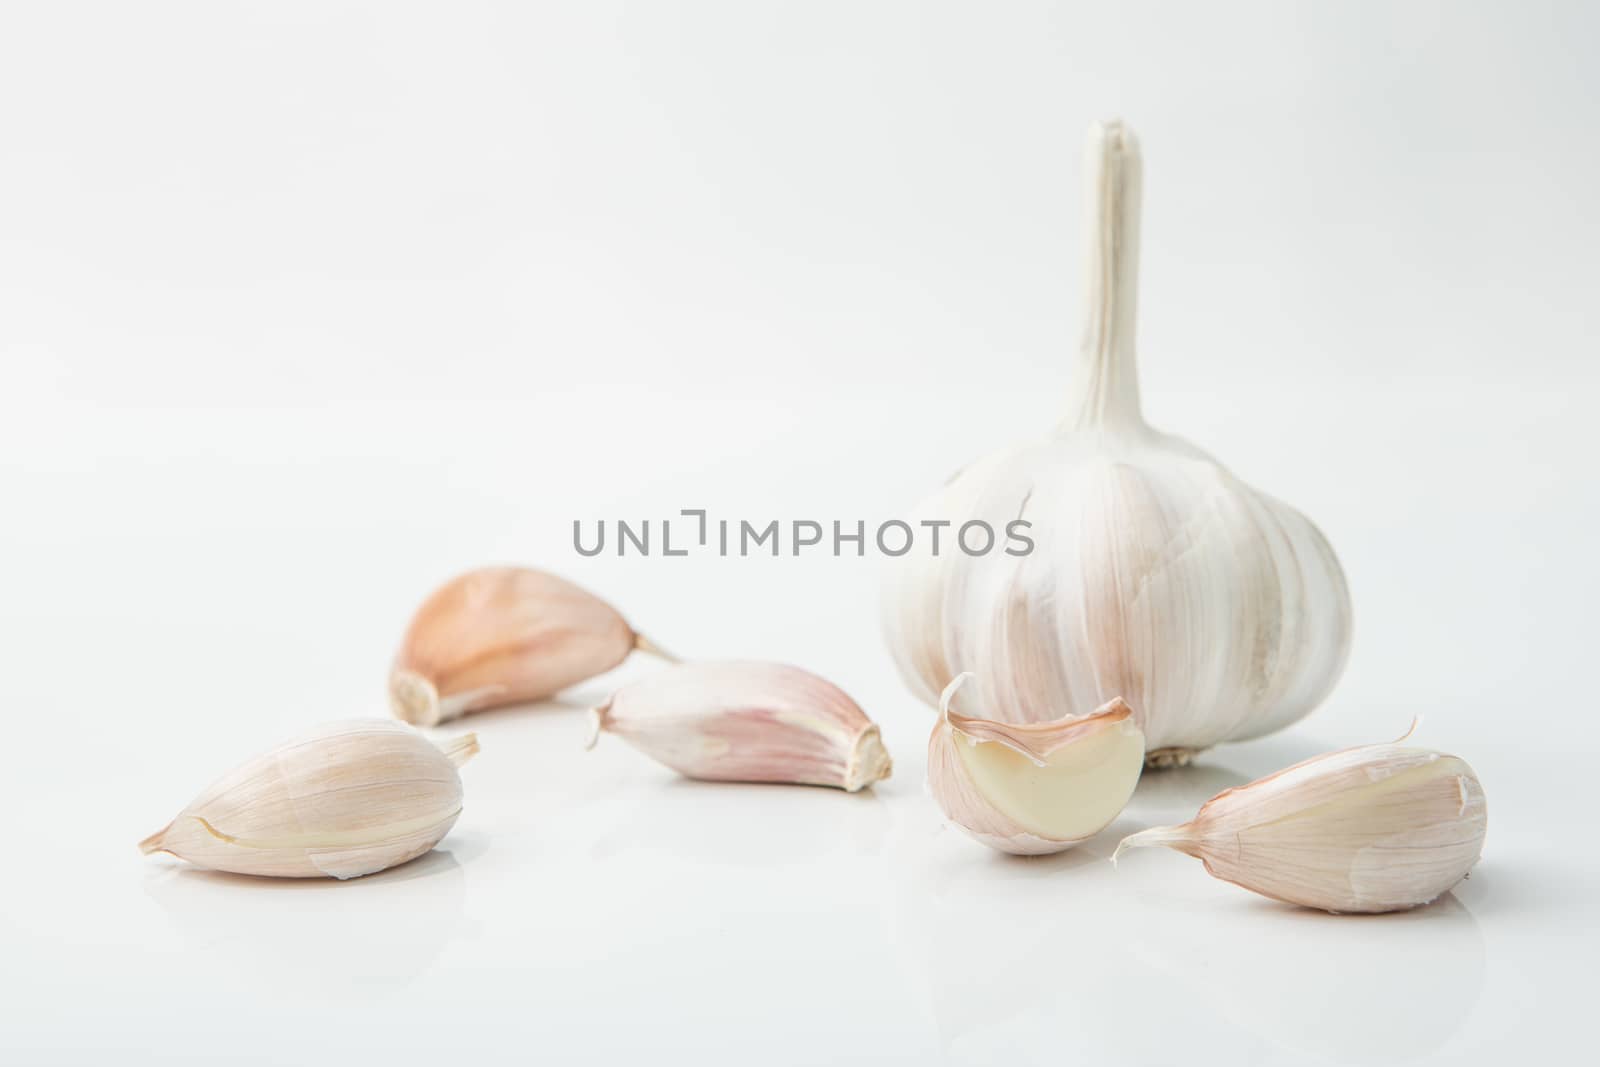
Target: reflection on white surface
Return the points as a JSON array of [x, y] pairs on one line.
[[1347, 989], [592, 907], [1411, 979], [376, 933], [709, 822], [1140, 962]]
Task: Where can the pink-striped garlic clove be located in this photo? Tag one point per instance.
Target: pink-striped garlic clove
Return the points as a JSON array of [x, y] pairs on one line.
[[504, 635], [1034, 788], [345, 800], [1371, 829], [748, 722]]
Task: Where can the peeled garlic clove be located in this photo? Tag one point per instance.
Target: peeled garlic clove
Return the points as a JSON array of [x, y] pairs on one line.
[[748, 722], [1370, 829], [1156, 575], [346, 800], [504, 635], [1034, 788]]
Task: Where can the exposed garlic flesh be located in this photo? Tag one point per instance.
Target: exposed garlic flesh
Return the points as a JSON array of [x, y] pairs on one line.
[[1158, 576], [1034, 788], [1370, 829], [346, 800], [748, 722], [504, 635]]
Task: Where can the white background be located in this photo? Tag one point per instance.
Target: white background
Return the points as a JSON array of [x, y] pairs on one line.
[[305, 307]]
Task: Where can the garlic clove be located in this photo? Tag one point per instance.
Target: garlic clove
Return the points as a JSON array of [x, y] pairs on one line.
[[1216, 611], [1371, 829], [504, 635], [346, 800], [1038, 787], [748, 722]]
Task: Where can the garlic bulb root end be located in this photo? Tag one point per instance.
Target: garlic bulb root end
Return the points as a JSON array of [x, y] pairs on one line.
[[1160, 759], [414, 699]]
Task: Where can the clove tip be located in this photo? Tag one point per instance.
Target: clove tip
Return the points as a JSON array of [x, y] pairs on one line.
[[155, 842], [460, 749], [642, 643], [1175, 837]]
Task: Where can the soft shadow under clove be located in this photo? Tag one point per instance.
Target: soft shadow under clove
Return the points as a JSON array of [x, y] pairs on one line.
[[710, 822], [563, 706], [1002, 938], [363, 932], [1287, 974]]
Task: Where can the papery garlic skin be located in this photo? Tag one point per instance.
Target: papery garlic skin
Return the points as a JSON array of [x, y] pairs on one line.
[[1372, 829], [1035, 788], [348, 799], [504, 635], [1216, 611], [748, 722]]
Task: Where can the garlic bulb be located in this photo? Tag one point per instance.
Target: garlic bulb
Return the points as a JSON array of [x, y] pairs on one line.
[[345, 800], [1038, 787], [504, 635], [748, 722], [1219, 613], [1370, 829]]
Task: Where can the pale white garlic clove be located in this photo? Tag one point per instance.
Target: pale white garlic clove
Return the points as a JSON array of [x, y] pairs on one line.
[[1370, 829], [1038, 787], [504, 635], [348, 799], [1158, 576], [748, 722]]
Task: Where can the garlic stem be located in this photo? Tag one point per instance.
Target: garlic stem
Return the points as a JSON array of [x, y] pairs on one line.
[[1105, 389]]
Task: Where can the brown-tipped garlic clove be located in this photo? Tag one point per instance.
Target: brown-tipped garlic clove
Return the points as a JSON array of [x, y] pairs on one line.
[[504, 635], [748, 722], [1034, 788], [1371, 829], [348, 799]]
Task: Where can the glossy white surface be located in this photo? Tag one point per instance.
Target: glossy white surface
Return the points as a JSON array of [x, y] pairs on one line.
[[394, 297], [593, 905]]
